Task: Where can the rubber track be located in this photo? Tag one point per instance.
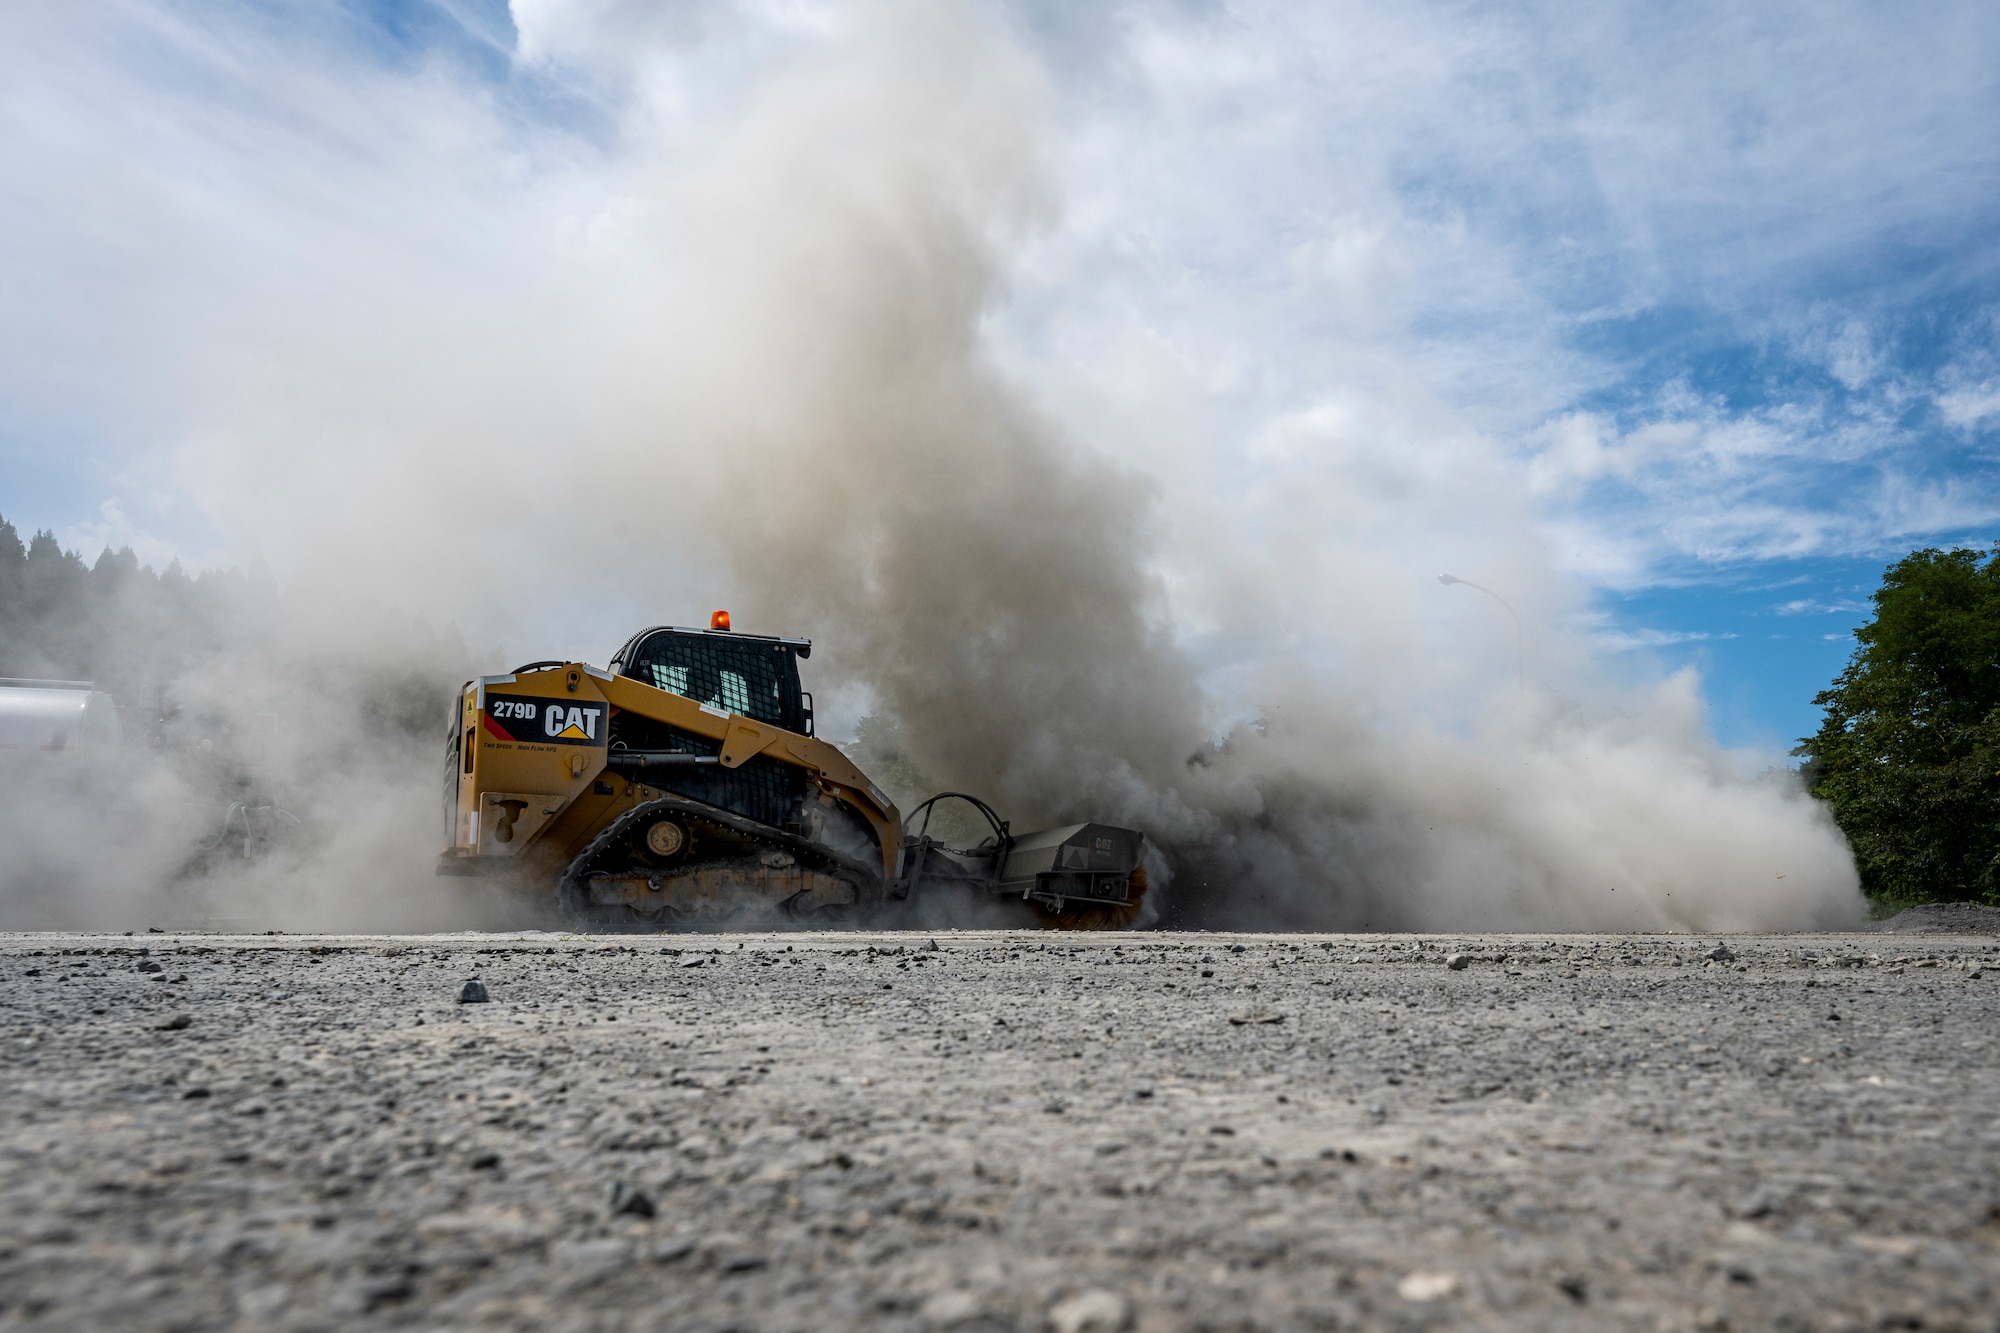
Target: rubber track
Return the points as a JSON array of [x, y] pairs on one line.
[[570, 890]]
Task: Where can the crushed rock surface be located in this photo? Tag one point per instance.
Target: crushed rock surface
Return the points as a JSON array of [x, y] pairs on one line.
[[1943, 919], [1008, 1131]]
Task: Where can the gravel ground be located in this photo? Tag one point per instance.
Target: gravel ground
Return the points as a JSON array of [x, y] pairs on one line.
[[1000, 1131]]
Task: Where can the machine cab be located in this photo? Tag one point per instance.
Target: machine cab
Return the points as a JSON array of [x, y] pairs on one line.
[[754, 675]]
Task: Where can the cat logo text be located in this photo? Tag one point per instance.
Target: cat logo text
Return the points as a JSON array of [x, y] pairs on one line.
[[525, 720]]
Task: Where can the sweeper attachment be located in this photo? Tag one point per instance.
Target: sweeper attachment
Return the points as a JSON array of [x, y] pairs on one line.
[[1076, 877], [682, 786]]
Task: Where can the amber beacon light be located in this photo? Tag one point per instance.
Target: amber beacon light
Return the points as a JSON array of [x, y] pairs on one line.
[[718, 620]]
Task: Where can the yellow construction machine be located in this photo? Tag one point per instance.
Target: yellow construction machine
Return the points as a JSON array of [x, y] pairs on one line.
[[682, 786]]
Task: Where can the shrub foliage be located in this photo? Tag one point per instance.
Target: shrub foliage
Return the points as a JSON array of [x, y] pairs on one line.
[[1908, 755]]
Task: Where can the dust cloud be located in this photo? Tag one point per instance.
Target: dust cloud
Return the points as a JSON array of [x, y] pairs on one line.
[[989, 579], [747, 361], [277, 764]]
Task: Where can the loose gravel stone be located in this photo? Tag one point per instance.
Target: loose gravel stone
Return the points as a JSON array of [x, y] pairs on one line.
[[1943, 919], [1591, 1132], [629, 1202], [1423, 1287], [672, 1251], [1093, 1311], [473, 992], [948, 1309]]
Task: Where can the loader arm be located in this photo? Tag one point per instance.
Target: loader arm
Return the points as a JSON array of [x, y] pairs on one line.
[[743, 739]]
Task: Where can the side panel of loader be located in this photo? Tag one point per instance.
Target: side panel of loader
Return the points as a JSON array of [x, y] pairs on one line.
[[529, 747], [534, 778]]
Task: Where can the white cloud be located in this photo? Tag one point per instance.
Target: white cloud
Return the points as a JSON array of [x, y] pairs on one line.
[[1971, 407], [1808, 606], [113, 529], [1410, 213], [1622, 641], [1431, 211]]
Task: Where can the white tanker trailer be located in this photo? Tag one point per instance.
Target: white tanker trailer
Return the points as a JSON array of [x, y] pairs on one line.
[[56, 715]]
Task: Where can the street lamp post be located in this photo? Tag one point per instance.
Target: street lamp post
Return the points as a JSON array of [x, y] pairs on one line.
[[1520, 636]]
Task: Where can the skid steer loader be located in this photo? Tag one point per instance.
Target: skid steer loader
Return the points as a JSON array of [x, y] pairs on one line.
[[682, 786]]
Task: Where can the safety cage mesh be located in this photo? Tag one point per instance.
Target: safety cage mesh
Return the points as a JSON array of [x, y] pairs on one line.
[[758, 680], [764, 789]]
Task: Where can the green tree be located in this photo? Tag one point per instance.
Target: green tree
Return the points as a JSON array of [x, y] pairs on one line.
[[1908, 755]]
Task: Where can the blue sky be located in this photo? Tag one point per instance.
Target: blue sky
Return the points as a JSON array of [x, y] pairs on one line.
[[1766, 638], [1676, 322]]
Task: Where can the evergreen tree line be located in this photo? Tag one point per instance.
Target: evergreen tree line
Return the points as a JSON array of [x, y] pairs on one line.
[[202, 657], [283, 745], [131, 630]]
